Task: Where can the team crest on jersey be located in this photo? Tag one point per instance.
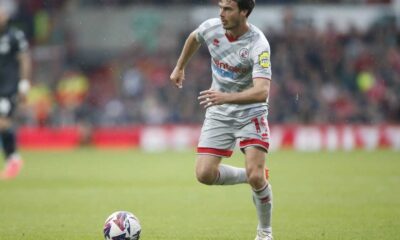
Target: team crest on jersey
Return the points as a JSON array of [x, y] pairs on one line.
[[216, 42], [263, 59], [244, 53]]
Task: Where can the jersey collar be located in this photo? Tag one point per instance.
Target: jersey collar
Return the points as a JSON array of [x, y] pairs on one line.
[[234, 39]]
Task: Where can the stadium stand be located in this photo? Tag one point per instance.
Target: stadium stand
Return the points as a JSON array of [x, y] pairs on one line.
[[326, 76]]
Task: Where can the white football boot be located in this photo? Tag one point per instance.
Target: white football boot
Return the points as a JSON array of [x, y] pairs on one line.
[[262, 235]]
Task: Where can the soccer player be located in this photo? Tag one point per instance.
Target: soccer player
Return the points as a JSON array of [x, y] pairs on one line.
[[236, 103], [15, 68]]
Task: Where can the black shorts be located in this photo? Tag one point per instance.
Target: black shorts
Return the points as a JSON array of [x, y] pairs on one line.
[[7, 106]]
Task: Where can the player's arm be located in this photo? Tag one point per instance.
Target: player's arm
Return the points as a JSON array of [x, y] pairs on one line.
[[258, 93], [189, 49], [25, 64]]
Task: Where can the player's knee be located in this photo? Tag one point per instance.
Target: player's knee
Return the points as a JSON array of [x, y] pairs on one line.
[[4, 123], [205, 176], [256, 179]]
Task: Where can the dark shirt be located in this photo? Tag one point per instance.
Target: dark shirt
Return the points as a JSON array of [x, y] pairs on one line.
[[12, 42]]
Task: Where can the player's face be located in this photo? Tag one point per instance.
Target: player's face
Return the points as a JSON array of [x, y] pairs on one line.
[[230, 15], [3, 17]]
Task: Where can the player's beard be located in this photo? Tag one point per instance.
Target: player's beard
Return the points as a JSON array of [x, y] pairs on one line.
[[230, 25]]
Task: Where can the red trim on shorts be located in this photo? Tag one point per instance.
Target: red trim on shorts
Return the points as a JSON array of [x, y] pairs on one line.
[[214, 151], [254, 142]]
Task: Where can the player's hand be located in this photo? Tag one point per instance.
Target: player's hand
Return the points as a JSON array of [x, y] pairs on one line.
[[177, 77], [24, 86], [22, 98], [212, 97]]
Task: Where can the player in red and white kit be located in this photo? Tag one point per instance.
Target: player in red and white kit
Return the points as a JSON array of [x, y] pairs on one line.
[[237, 103]]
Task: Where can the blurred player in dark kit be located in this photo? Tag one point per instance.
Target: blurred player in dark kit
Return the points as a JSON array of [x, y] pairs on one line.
[[15, 70]]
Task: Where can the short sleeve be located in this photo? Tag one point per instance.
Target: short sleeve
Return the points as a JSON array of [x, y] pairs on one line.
[[21, 41], [205, 28], [200, 32], [261, 60]]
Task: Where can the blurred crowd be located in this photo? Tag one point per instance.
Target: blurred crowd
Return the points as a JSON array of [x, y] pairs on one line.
[[191, 2], [50, 4], [329, 77], [318, 77]]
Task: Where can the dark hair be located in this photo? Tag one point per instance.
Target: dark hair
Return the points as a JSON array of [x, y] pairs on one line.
[[246, 5]]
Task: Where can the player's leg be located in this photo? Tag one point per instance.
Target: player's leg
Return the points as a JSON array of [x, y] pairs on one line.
[[207, 168], [255, 144], [9, 142], [262, 192], [217, 140], [210, 171]]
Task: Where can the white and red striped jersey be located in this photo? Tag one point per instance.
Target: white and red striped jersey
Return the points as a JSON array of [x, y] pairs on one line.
[[235, 63]]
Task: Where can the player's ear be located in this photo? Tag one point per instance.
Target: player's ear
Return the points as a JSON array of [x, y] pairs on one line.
[[244, 12]]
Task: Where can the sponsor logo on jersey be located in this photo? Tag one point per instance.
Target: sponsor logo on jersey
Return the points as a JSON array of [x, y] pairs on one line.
[[226, 70], [263, 59], [227, 67]]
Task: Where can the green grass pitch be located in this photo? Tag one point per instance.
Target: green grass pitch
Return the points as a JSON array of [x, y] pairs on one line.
[[317, 196]]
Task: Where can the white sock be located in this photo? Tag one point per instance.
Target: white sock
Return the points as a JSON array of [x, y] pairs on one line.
[[15, 156], [229, 175], [263, 201]]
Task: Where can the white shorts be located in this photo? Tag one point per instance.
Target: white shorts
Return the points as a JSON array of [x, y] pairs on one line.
[[218, 137]]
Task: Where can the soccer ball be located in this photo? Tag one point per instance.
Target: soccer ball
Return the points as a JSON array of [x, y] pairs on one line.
[[122, 225]]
